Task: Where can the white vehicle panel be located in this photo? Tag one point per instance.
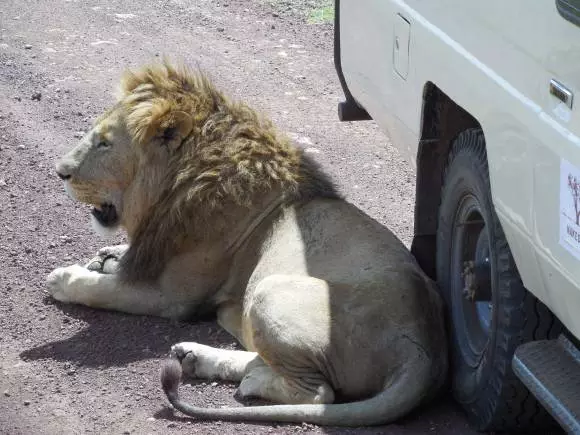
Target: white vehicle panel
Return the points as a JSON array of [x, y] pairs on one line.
[[496, 60]]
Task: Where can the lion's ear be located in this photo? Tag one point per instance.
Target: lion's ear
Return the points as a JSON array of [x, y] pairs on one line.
[[159, 121], [174, 128]]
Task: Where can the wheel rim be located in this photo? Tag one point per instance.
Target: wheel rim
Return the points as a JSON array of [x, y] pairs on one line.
[[471, 289]]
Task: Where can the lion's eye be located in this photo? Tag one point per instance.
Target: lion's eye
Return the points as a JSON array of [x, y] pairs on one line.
[[103, 144]]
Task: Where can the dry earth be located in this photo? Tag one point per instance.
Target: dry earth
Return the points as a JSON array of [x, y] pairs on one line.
[[73, 370]]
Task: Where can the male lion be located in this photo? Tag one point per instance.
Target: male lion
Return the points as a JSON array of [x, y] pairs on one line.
[[224, 215]]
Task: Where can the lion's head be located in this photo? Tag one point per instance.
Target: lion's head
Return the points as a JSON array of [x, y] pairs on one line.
[[119, 166], [173, 161], [100, 169]]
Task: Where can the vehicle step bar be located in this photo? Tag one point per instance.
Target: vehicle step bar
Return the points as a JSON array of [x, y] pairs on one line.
[[550, 369]]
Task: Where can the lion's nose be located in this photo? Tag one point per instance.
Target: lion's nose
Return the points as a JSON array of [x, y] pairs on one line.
[[63, 170], [63, 176]]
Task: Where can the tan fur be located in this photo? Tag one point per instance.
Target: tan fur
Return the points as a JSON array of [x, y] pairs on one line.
[[224, 214]]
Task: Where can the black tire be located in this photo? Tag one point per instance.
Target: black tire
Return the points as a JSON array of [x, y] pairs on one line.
[[482, 380]]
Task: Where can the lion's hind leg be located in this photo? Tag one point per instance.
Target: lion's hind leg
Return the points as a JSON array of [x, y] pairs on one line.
[[286, 322], [206, 362], [256, 378], [303, 386]]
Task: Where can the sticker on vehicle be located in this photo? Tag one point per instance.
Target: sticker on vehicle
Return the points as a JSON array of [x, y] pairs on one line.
[[570, 208]]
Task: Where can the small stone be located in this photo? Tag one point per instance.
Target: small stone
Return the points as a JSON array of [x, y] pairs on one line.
[[172, 424], [26, 402], [7, 393], [21, 147], [43, 317], [221, 29], [79, 134], [36, 96], [2, 182], [214, 384], [28, 46], [17, 98], [151, 419]]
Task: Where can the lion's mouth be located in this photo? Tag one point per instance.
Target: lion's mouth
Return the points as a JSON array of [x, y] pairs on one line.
[[106, 215]]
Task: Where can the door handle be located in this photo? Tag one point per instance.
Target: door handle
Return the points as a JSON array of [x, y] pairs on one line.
[[561, 92]]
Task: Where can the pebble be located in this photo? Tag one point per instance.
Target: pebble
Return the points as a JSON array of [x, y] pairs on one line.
[[172, 424], [7, 393], [36, 96], [26, 402], [2, 182], [28, 46], [79, 134]]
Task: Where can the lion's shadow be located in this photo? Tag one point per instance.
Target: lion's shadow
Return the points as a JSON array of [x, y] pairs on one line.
[[112, 339]]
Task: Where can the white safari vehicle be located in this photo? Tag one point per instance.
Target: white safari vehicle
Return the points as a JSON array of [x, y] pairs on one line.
[[483, 97]]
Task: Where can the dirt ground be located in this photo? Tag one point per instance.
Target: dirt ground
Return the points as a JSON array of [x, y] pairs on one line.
[[73, 370]]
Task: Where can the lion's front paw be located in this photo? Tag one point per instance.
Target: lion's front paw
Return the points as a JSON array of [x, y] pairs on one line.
[[61, 282], [197, 360], [107, 259]]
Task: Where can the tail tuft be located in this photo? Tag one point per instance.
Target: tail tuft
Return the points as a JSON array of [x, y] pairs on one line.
[[170, 377]]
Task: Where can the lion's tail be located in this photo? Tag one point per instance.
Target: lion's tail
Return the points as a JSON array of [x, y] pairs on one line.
[[404, 393]]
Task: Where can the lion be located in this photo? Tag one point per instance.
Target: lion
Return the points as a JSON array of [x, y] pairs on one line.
[[225, 216]]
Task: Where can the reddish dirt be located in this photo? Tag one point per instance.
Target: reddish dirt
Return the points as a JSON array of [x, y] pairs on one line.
[[74, 370]]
